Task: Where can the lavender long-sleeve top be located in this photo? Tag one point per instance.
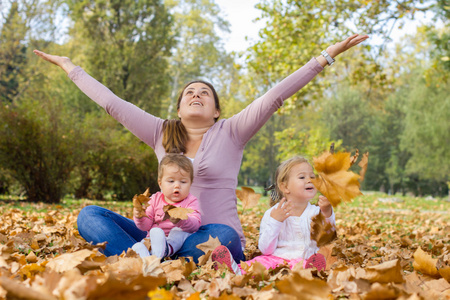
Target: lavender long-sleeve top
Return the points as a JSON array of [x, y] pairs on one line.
[[218, 160]]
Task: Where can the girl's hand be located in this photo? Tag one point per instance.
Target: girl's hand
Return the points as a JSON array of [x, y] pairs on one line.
[[325, 206], [283, 211], [61, 61], [346, 44]]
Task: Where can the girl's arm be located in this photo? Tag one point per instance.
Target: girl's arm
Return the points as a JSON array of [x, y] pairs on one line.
[[268, 233], [246, 123], [144, 125]]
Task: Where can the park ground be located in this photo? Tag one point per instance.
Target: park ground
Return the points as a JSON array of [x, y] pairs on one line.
[[388, 247]]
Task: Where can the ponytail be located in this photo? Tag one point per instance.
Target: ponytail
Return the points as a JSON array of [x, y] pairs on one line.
[[175, 136]]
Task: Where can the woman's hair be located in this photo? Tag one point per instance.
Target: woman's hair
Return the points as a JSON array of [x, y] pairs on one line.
[[175, 135], [282, 175], [179, 160]]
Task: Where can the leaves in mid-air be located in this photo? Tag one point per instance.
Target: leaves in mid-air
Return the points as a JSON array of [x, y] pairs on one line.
[[248, 197], [322, 231], [335, 181]]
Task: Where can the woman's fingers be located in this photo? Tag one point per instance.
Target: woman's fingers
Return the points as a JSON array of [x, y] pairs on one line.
[[64, 62]]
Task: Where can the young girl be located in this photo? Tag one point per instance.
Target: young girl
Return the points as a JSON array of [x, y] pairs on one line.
[[285, 232], [175, 175]]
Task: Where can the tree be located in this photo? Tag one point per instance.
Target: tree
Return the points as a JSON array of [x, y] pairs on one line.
[[199, 52], [125, 45], [12, 53]]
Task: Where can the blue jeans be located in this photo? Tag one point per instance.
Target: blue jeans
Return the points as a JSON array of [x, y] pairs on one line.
[[97, 225]]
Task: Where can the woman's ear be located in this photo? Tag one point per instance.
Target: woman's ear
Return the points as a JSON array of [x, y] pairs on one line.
[[217, 114]]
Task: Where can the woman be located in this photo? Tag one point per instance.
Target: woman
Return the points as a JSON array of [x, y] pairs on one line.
[[215, 147]]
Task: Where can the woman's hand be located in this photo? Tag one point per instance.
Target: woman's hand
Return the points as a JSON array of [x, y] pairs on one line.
[[325, 206], [61, 61], [340, 47], [282, 211]]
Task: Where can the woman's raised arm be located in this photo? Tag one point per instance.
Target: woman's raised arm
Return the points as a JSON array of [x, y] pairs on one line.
[[340, 47], [61, 61]]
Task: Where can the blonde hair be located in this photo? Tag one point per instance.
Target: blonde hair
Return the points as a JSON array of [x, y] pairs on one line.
[[179, 160], [282, 175]]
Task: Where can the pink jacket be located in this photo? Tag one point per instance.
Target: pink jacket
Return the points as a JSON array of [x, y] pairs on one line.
[[155, 215]]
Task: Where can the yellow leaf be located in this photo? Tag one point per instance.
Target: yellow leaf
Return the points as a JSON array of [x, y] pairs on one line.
[[209, 245], [296, 285], [180, 212], [424, 263], [335, 181], [390, 271], [69, 261]]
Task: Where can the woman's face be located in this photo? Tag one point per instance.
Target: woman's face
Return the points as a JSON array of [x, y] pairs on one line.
[[198, 103]]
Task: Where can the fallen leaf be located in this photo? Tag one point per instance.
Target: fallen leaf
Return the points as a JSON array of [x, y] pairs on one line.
[[69, 261], [390, 271], [296, 285], [424, 263]]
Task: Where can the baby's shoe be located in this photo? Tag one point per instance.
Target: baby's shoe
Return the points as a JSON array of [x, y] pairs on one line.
[[317, 261], [222, 255]]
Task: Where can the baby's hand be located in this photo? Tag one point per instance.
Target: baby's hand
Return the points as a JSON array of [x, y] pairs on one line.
[[171, 219], [283, 211], [325, 206]]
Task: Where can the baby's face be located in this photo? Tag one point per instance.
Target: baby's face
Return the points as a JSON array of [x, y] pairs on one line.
[[175, 183]]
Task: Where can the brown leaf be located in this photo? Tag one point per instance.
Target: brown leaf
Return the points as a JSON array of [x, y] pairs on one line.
[[248, 197], [354, 158], [140, 203], [296, 285], [69, 261], [17, 290], [424, 263], [209, 245], [363, 164], [334, 181], [444, 270], [390, 271], [322, 231], [181, 213]]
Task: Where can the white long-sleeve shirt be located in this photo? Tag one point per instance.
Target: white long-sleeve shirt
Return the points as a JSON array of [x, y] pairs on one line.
[[291, 238]]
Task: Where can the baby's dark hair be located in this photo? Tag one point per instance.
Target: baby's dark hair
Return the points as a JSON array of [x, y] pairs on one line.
[[282, 175], [179, 160]]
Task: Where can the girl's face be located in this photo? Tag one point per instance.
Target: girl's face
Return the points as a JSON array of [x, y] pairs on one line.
[[175, 183], [197, 102], [298, 186]]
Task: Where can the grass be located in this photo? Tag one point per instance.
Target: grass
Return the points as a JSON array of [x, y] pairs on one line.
[[368, 201]]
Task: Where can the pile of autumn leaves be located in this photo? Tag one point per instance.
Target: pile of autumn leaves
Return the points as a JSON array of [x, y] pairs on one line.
[[42, 256]]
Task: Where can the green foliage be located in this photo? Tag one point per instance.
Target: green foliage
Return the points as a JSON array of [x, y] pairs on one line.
[[36, 149], [199, 52], [427, 130], [12, 53], [125, 45], [114, 162]]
